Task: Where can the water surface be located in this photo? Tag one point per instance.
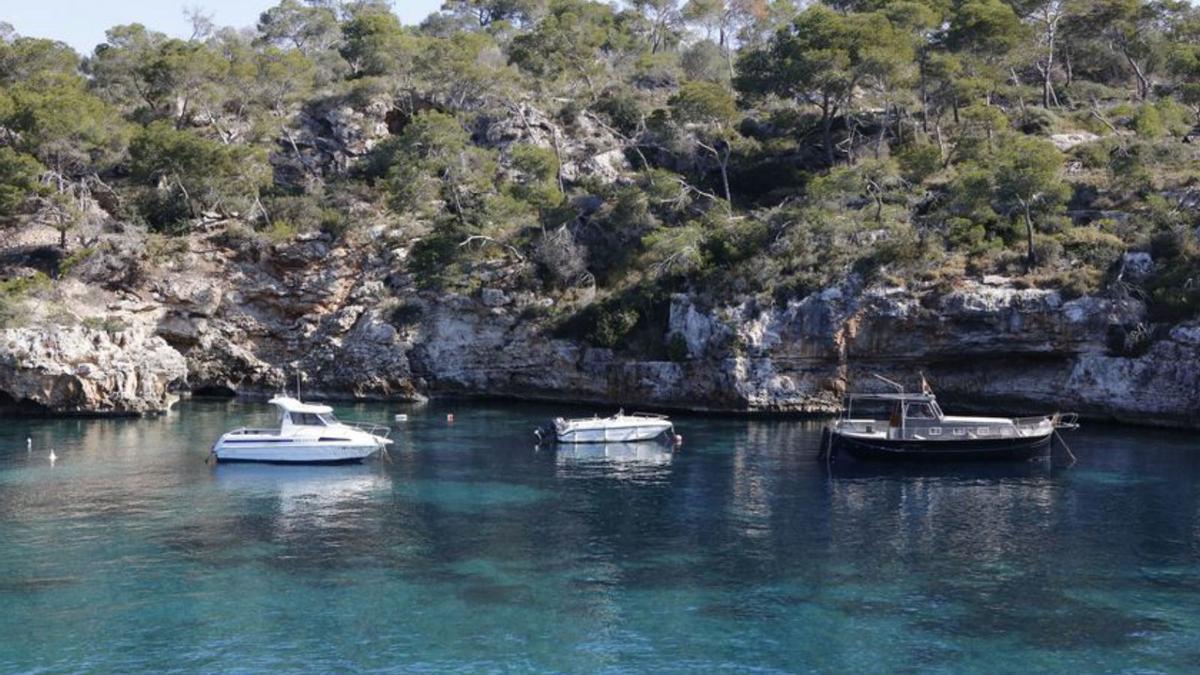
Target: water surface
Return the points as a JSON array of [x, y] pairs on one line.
[[475, 551]]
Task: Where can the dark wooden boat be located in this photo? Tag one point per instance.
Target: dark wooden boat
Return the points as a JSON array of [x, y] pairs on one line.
[[917, 429]]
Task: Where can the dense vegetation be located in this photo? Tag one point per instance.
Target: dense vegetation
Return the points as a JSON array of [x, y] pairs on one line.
[[771, 150]]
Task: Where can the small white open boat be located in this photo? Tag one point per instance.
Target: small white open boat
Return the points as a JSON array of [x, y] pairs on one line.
[[620, 428], [307, 434]]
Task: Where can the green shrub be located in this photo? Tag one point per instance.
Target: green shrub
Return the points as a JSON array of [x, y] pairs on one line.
[[335, 223], [919, 161], [1176, 118], [280, 231], [1148, 123], [612, 325], [622, 109], [167, 211], [1093, 155], [1092, 247], [75, 259], [13, 293], [1037, 121]]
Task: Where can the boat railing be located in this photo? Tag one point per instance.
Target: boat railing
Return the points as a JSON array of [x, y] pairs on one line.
[[1065, 420], [942, 432], [380, 430], [655, 416]]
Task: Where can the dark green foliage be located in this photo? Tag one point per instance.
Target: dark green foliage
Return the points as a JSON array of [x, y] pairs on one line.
[[191, 173], [611, 327], [608, 154], [919, 161], [622, 110], [19, 182]]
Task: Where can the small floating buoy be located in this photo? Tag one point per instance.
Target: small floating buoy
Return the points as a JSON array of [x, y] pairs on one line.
[[401, 418], [678, 440], [53, 457], [29, 444], [450, 418]]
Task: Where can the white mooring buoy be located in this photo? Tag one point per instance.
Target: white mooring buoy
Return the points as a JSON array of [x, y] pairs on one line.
[[53, 457], [29, 444]]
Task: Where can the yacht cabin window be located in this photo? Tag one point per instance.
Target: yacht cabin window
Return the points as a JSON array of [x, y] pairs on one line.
[[307, 420], [920, 411]]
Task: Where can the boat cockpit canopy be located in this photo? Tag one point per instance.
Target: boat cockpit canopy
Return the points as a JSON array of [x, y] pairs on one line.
[[892, 405], [303, 414]]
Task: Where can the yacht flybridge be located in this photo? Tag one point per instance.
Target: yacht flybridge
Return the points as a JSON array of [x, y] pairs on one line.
[[916, 428], [307, 434]]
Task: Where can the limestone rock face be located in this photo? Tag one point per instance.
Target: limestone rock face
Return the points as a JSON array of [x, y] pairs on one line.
[[589, 150], [82, 370], [1067, 141]]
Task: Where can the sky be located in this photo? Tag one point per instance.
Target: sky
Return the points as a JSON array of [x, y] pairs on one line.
[[81, 23]]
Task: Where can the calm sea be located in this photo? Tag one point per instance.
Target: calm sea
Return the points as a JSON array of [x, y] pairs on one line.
[[476, 551]]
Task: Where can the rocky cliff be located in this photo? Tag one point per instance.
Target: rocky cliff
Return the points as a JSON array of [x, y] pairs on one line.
[[89, 371], [219, 312], [239, 324]]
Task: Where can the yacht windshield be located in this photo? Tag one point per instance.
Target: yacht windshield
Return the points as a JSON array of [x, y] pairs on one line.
[[307, 420], [328, 419]]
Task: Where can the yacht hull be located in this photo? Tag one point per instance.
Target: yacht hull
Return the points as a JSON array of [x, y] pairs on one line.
[[615, 434], [989, 449], [293, 453]]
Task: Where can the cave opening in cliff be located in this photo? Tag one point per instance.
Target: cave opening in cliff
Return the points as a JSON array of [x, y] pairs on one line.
[[10, 405]]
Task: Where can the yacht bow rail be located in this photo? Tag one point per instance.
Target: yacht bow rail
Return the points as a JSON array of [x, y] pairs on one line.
[[380, 430]]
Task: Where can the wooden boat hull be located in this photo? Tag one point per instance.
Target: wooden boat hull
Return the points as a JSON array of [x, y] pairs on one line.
[[989, 449]]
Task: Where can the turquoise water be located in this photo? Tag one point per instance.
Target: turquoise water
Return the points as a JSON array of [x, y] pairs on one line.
[[474, 551]]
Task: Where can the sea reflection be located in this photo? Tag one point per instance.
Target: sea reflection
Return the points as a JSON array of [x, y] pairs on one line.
[[316, 492], [645, 452], [972, 512]]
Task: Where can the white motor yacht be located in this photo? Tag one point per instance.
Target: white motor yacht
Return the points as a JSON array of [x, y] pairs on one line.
[[620, 428], [307, 434]]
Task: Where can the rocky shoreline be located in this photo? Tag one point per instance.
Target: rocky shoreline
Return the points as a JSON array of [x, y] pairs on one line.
[[238, 326]]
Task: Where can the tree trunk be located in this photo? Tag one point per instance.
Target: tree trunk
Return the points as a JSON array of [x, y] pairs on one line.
[[1047, 79], [1143, 85], [724, 161], [827, 136], [924, 95], [1031, 257]]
